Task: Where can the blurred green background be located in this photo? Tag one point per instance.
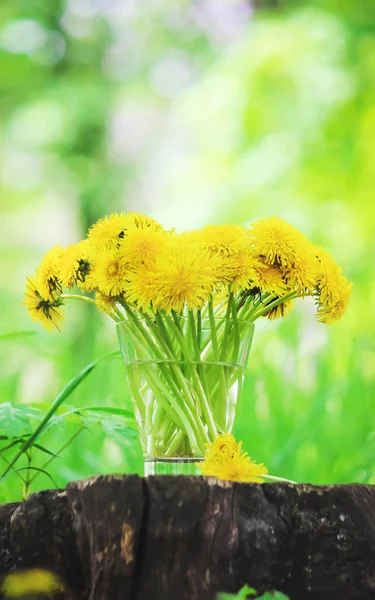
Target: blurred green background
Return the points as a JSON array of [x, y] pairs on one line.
[[195, 112]]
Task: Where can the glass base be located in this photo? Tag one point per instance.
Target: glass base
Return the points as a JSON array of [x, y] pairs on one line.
[[172, 466]]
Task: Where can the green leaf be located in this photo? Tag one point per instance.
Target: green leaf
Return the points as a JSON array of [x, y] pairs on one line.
[[124, 429], [68, 416], [243, 594], [63, 395], [118, 430], [85, 415], [15, 420]]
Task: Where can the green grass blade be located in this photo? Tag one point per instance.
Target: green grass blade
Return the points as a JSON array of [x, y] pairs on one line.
[[45, 450], [20, 440], [11, 444], [112, 410]]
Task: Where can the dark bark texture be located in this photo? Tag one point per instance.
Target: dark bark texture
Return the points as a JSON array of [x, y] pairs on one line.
[[187, 538]]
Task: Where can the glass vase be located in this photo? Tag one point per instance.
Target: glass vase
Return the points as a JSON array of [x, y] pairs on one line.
[[185, 376]]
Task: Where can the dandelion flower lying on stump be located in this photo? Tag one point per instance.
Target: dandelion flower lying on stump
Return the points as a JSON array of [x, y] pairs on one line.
[[226, 460]]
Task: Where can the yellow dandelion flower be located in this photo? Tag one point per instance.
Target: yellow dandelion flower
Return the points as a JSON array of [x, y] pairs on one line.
[[105, 303], [185, 275], [276, 242], [238, 468], [239, 269], [230, 244], [141, 288], [108, 232], [333, 290], [301, 275], [223, 240], [282, 310], [328, 277], [110, 273], [332, 313], [224, 445], [31, 581], [225, 460], [269, 279], [140, 221], [143, 246], [89, 282], [191, 237], [45, 310], [75, 264], [48, 273]]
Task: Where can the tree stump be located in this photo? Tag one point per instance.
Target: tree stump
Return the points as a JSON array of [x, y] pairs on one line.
[[187, 538]]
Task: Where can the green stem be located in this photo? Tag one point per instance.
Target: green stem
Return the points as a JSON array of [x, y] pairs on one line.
[[134, 386], [191, 424], [132, 370], [171, 360], [157, 415], [200, 379], [57, 454], [199, 390], [227, 327], [271, 305], [165, 430], [144, 333], [149, 429], [177, 323], [118, 314], [194, 336], [199, 330], [215, 347], [165, 335], [247, 311], [220, 382], [175, 443], [78, 297], [236, 333], [184, 421], [13, 469], [281, 479]]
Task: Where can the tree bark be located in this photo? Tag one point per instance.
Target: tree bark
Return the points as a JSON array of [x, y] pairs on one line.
[[187, 538]]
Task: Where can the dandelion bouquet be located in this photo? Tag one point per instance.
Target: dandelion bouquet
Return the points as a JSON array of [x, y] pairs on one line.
[[185, 306]]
